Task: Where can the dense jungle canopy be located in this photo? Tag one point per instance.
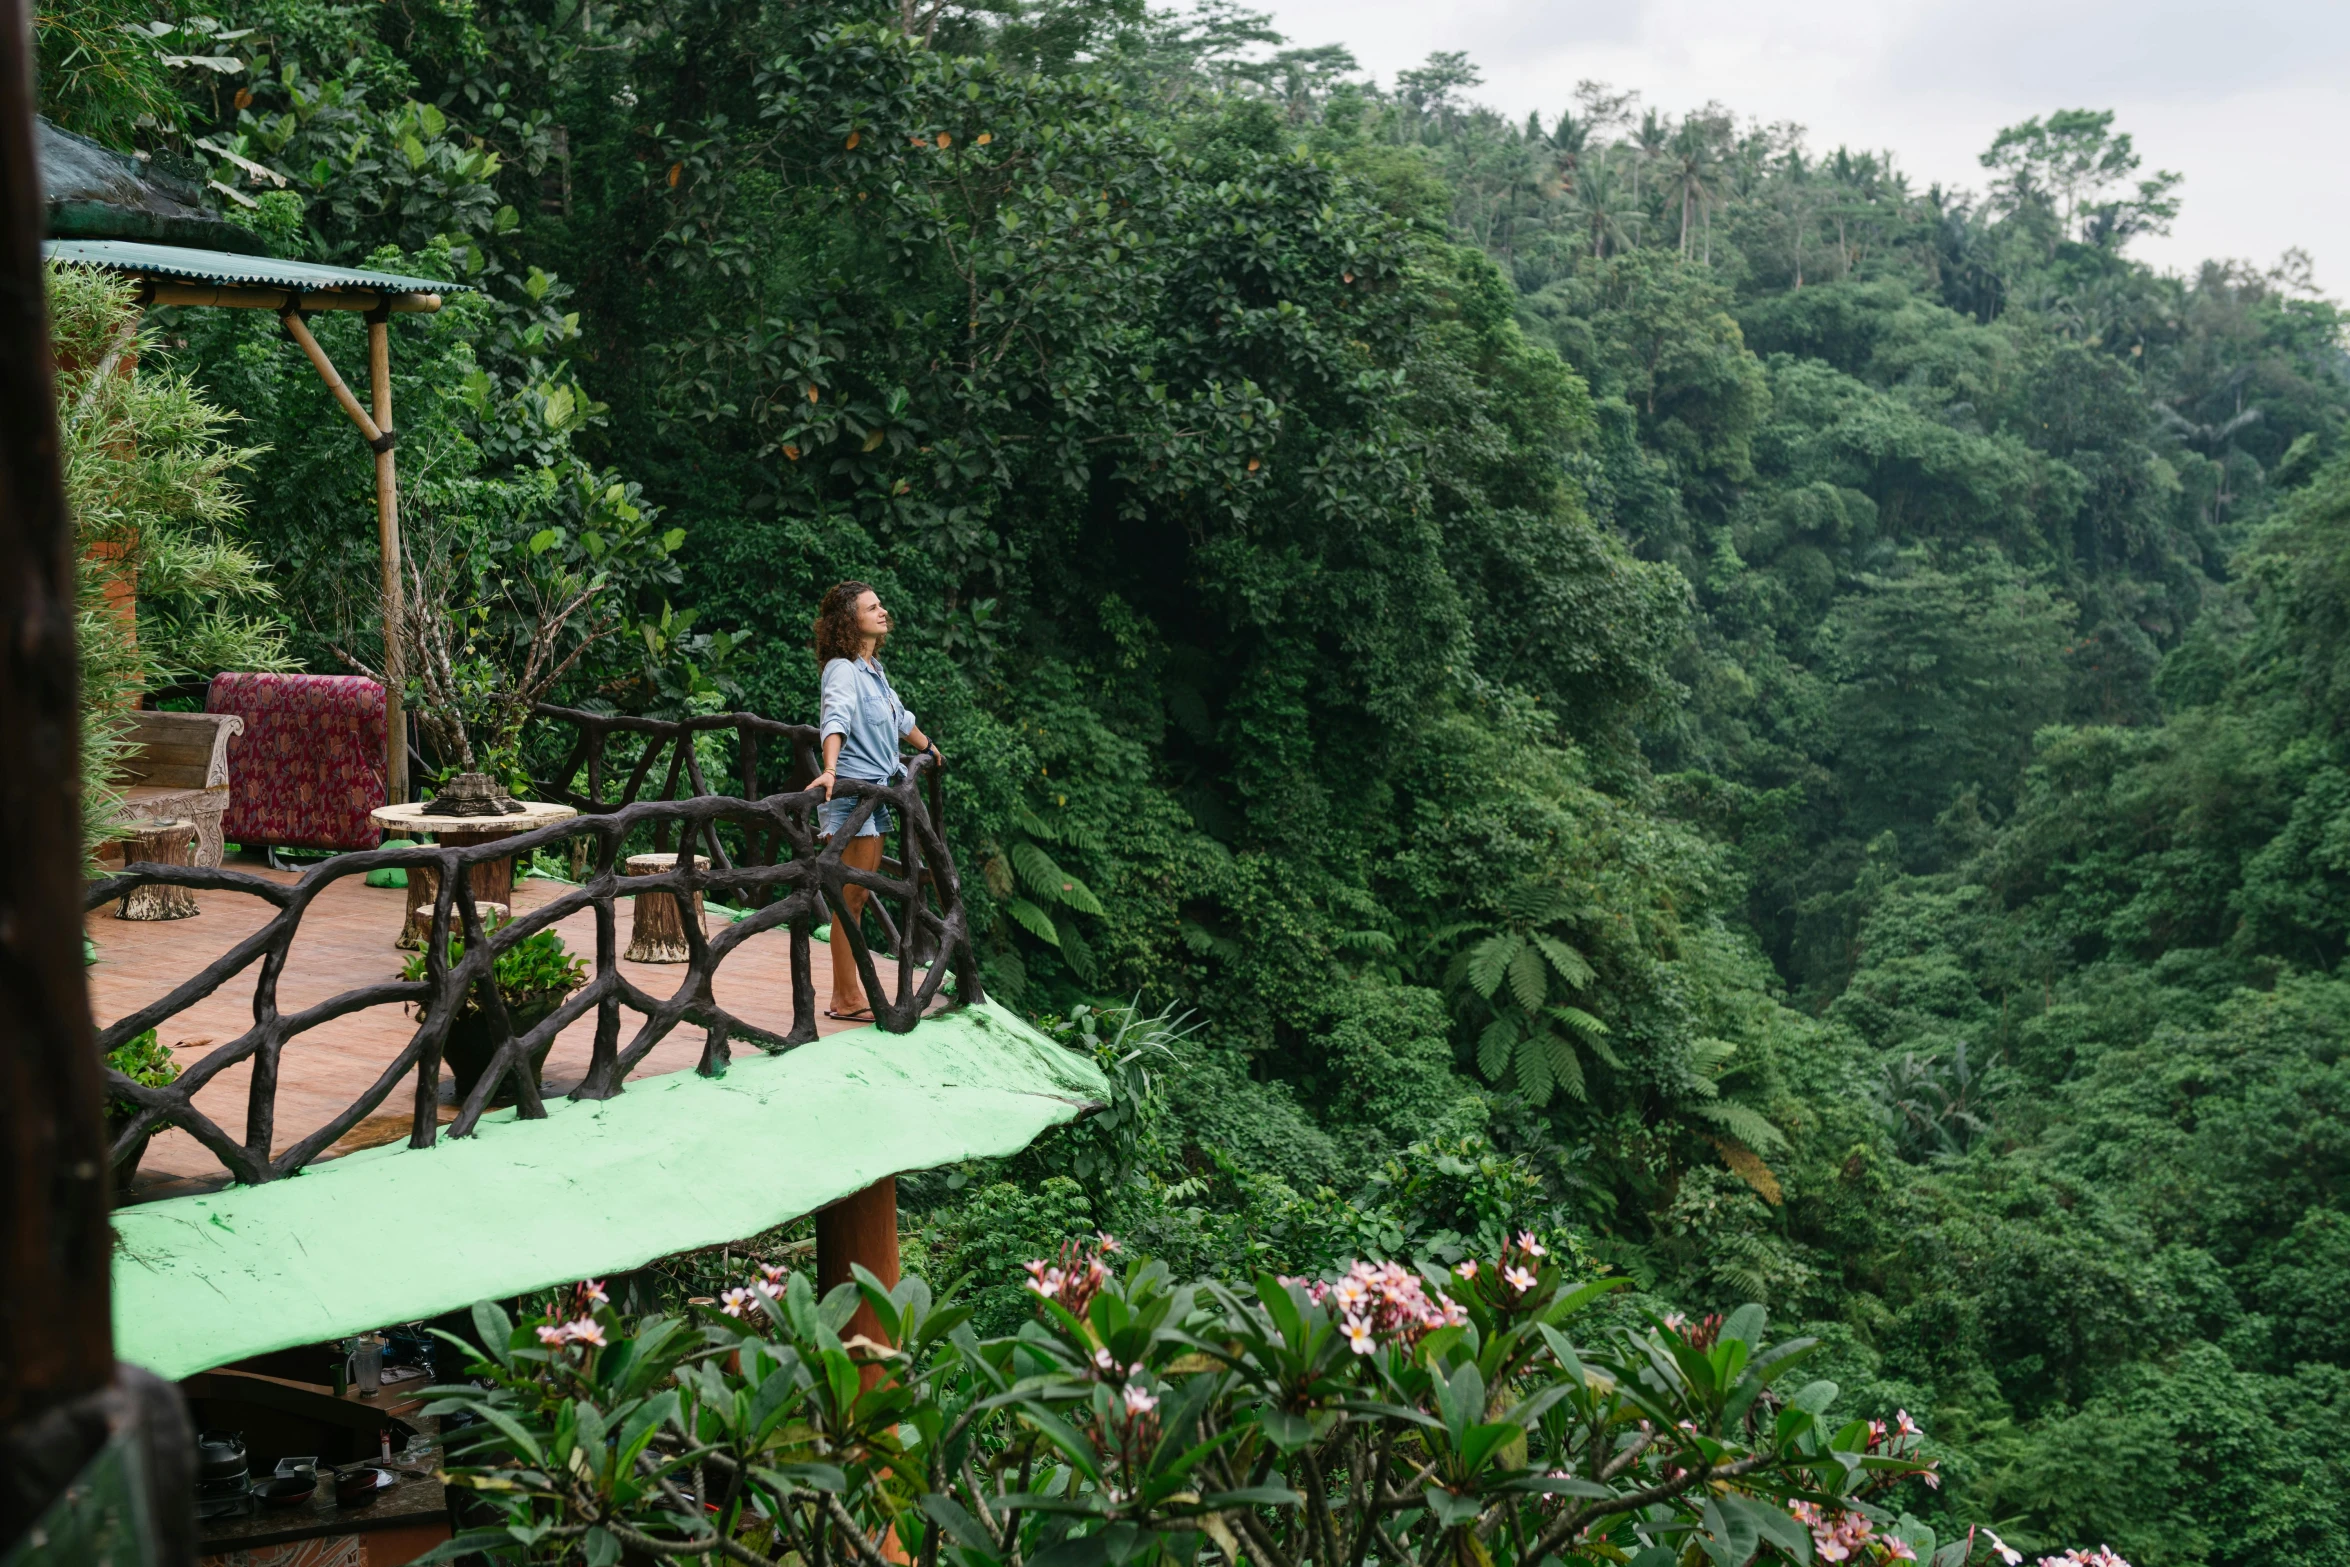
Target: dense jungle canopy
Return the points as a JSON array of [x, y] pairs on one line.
[[1638, 678]]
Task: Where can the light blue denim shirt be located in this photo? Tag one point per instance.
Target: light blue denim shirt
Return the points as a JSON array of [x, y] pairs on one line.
[[862, 708]]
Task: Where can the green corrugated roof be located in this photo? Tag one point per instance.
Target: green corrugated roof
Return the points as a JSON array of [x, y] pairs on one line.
[[220, 267], [396, 1234]]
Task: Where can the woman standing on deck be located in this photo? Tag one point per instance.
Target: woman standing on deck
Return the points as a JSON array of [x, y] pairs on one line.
[[861, 725]]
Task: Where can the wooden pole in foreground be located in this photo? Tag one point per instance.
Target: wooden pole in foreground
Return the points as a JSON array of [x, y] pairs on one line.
[[62, 1398], [54, 1242]]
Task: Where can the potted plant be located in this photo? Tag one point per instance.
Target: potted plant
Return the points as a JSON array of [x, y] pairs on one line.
[[149, 1065], [533, 976]]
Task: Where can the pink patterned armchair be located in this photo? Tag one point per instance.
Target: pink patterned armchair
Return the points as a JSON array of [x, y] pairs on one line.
[[310, 765]]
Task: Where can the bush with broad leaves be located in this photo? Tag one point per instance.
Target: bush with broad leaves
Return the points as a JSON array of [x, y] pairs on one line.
[[1382, 1416]]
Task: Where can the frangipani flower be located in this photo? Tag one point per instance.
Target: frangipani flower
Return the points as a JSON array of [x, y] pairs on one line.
[[1518, 1279], [2007, 1553], [1358, 1335], [587, 1330], [737, 1302], [1138, 1401]]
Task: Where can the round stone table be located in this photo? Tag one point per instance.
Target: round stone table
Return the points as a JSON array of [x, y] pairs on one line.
[[492, 880]]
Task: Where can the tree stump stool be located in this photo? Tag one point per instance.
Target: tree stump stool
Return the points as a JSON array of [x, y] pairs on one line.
[[170, 841], [424, 886], [656, 934]]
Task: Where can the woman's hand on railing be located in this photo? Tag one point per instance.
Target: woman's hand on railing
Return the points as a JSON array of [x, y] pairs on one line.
[[824, 781]]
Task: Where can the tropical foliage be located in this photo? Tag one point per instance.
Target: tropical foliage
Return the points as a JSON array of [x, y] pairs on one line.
[[1641, 681]]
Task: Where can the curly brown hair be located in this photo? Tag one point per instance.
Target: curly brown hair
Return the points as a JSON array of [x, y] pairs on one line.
[[836, 623]]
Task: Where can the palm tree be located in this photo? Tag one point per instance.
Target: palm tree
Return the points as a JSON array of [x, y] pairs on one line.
[[1603, 208], [1694, 171], [1650, 139]]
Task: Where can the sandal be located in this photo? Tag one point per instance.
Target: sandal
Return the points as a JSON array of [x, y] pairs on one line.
[[862, 1015]]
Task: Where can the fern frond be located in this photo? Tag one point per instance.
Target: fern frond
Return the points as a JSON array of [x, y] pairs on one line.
[[1565, 1065], [1711, 1055], [1744, 1122], [1034, 920], [1490, 960], [1581, 1022], [1529, 979], [1534, 1075], [1038, 871], [1080, 897], [1034, 825], [1495, 1047], [997, 872], [1534, 902], [1573, 967]]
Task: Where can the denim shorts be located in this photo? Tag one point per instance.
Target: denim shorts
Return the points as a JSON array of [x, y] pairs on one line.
[[833, 812]]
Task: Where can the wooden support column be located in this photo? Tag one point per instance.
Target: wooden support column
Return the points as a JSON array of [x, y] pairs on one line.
[[377, 429], [861, 1227], [387, 533]]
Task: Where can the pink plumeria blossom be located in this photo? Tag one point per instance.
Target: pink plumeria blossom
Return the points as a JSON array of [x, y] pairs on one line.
[[2103, 1556], [2007, 1553], [1387, 1300], [1834, 1536], [737, 1302], [1896, 1549], [1075, 1276], [1518, 1279], [1529, 1245], [594, 1290], [587, 1330], [1467, 1270], [772, 1276], [552, 1336], [1903, 1425], [1138, 1400]]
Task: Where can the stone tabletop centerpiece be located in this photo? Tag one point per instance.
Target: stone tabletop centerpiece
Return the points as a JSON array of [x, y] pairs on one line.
[[470, 808]]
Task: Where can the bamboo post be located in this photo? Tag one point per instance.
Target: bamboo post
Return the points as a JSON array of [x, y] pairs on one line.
[[387, 532], [377, 430]]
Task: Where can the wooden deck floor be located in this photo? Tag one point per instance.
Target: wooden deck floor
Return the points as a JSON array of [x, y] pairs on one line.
[[346, 941]]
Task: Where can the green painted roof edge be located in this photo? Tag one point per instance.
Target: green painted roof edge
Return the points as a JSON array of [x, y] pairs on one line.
[[221, 267], [675, 1162]]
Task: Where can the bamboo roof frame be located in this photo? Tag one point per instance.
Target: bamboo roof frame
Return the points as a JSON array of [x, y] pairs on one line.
[[294, 291]]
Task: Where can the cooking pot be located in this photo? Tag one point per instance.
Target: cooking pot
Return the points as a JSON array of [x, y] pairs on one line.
[[220, 1455]]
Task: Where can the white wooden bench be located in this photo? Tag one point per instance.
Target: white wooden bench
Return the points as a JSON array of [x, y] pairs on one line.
[[178, 766]]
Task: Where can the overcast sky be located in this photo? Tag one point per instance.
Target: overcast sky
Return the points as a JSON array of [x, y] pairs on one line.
[[2250, 101]]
